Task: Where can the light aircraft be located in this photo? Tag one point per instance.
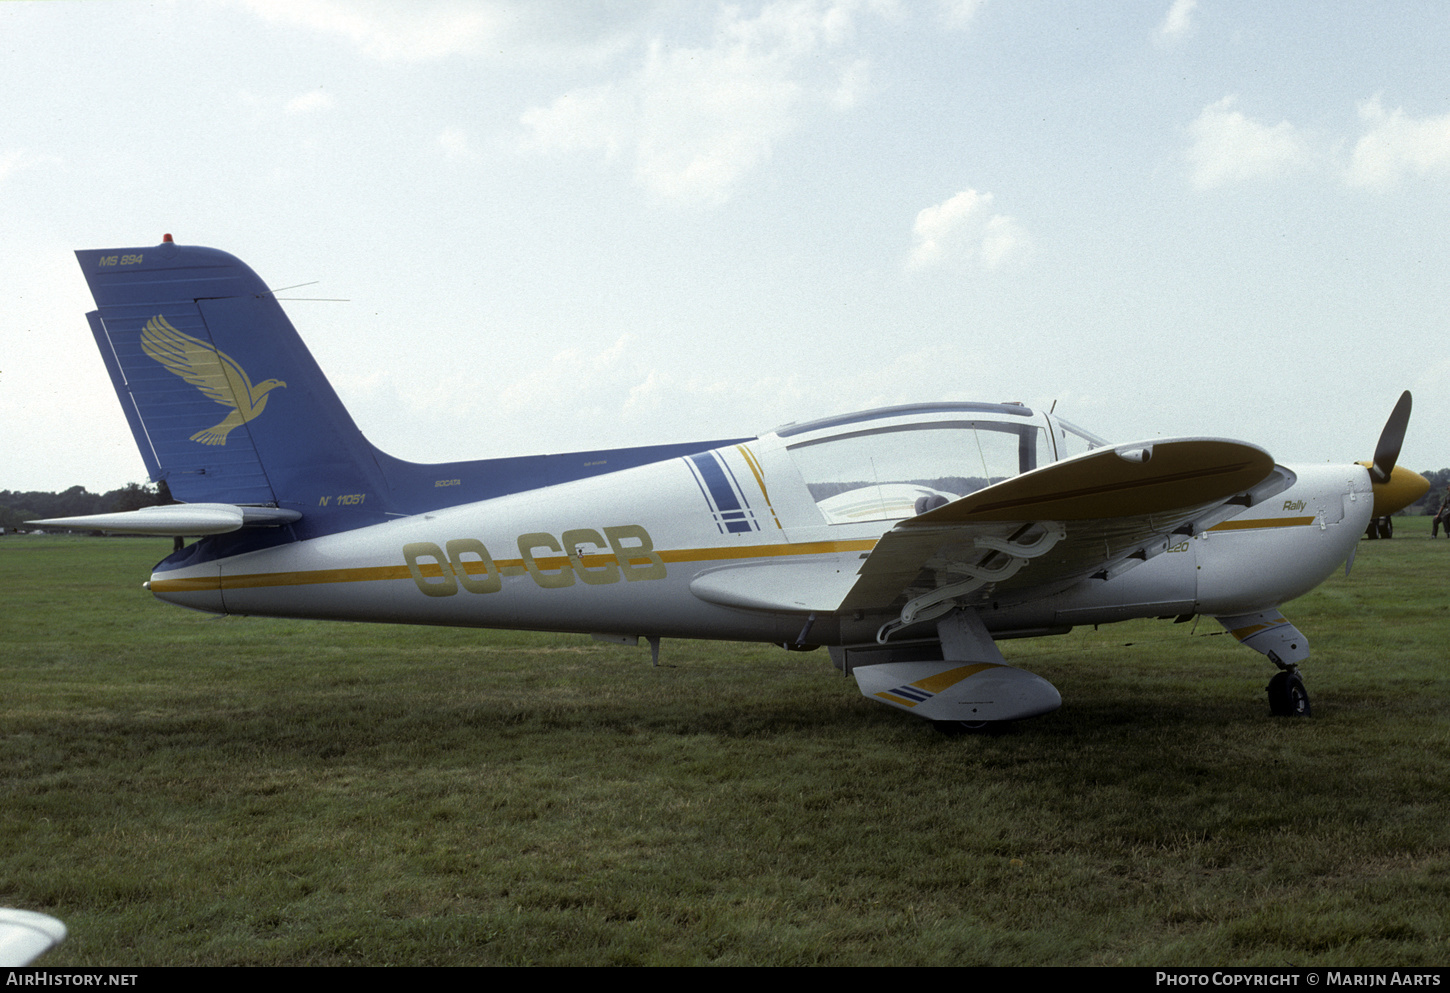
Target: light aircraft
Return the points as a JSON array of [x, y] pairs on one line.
[[908, 540]]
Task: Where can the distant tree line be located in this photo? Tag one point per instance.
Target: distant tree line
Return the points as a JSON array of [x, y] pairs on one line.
[[18, 507]]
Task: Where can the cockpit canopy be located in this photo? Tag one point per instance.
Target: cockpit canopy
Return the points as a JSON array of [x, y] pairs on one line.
[[897, 462]]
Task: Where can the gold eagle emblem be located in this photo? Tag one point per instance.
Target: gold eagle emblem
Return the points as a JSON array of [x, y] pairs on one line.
[[214, 372]]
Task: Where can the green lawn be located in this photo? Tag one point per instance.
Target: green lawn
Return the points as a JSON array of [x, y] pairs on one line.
[[183, 789]]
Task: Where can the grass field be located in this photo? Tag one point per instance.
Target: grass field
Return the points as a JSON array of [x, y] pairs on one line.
[[183, 789]]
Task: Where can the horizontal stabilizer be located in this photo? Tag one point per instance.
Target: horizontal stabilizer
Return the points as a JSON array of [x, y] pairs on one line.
[[178, 520]]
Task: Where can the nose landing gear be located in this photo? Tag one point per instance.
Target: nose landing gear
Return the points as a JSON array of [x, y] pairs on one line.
[[1287, 695], [1270, 634]]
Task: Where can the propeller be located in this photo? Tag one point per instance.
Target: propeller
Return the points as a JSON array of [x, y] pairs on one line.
[[1394, 487], [1392, 438]]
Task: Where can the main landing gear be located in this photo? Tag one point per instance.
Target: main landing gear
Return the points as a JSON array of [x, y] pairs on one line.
[[1287, 695]]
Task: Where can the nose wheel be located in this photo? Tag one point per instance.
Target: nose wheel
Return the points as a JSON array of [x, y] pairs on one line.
[[1287, 695], [955, 729]]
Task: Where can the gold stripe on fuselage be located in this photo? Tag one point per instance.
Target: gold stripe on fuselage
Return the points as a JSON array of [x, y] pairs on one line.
[[369, 574], [1263, 522]]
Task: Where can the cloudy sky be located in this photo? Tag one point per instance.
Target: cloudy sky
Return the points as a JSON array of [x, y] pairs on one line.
[[560, 225]]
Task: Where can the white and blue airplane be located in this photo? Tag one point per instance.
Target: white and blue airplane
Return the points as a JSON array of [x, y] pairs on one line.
[[908, 540]]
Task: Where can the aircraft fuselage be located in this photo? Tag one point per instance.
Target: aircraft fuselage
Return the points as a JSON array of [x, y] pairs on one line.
[[619, 555]]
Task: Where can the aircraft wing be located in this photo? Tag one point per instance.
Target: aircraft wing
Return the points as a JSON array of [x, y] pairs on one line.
[[1036, 534], [1030, 536]]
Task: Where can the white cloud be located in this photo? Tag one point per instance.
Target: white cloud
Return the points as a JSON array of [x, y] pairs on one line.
[[1002, 239], [309, 102], [10, 163], [594, 380], [617, 393], [963, 228], [959, 13], [1397, 144], [392, 32], [693, 121], [717, 404], [1178, 22], [1229, 147], [854, 81], [455, 145], [13, 163]]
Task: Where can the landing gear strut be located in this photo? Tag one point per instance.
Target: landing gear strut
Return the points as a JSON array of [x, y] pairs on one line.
[[1270, 634], [1287, 695]]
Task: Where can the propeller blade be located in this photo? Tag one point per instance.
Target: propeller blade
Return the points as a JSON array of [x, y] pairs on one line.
[[1387, 452], [1394, 486]]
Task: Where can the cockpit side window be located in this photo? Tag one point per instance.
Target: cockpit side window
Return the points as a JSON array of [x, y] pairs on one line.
[[893, 472]]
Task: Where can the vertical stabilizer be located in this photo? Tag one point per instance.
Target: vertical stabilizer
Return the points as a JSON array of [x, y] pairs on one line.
[[229, 407], [226, 403]]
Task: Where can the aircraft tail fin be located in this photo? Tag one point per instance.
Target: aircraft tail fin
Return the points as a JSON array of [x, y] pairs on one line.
[[230, 408], [226, 403]]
